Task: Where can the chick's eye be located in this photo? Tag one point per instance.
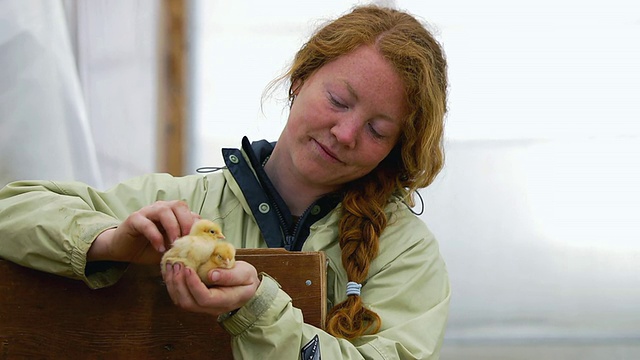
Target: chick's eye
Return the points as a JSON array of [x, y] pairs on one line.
[[212, 231]]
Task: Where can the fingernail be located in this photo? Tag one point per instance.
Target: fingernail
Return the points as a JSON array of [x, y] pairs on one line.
[[215, 276], [161, 249]]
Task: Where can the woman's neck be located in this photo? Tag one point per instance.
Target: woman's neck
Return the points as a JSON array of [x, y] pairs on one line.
[[296, 194]]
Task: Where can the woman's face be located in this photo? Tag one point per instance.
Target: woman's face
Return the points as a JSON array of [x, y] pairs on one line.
[[345, 119]]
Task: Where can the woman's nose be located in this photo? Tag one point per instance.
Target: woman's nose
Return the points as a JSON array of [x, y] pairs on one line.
[[346, 131]]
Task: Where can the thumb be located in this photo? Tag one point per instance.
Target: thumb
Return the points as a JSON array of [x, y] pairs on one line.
[[241, 274], [214, 276]]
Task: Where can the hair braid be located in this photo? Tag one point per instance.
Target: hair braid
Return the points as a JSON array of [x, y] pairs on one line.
[[363, 220]]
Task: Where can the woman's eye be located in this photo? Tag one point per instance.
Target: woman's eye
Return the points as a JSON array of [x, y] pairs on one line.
[[337, 103], [375, 133]]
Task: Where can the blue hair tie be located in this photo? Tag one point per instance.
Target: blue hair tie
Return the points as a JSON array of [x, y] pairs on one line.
[[353, 288]]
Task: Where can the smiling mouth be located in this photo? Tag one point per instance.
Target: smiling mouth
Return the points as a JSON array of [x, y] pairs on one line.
[[328, 152]]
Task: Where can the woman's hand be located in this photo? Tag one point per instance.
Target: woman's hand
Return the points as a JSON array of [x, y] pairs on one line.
[[158, 224], [230, 288]]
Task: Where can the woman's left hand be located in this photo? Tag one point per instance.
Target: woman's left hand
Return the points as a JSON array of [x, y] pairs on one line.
[[228, 290]]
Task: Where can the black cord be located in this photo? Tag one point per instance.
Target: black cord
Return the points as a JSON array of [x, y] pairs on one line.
[[422, 205], [209, 169]]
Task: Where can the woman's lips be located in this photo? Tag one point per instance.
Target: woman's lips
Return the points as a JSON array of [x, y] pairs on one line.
[[329, 153]]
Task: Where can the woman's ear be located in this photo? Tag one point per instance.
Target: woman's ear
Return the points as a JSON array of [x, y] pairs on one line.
[[295, 88], [293, 92]]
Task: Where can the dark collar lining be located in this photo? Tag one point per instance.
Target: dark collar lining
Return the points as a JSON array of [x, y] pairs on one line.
[[257, 152], [276, 226]]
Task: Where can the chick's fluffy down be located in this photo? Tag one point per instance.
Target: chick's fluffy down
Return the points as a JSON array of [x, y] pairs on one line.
[[202, 250]]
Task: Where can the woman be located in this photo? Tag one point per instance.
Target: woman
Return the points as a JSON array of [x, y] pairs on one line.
[[368, 98]]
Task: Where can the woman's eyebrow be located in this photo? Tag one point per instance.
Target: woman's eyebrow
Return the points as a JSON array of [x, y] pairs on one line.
[[350, 89], [353, 93]]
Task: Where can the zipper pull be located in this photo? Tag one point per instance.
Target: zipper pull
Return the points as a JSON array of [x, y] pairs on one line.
[[288, 242]]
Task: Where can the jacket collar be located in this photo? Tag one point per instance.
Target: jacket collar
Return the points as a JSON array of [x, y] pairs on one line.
[[268, 207]]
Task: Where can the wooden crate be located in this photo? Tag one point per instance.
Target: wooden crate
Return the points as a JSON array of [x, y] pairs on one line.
[[48, 316]]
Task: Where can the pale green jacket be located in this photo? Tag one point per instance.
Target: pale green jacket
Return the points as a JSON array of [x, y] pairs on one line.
[[50, 226]]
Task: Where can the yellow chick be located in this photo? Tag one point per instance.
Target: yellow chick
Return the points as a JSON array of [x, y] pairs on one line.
[[223, 256], [202, 250]]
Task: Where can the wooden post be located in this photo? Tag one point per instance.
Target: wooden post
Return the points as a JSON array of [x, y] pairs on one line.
[[172, 114]]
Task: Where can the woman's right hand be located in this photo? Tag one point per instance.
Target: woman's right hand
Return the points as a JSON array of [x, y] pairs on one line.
[[223, 291], [158, 225]]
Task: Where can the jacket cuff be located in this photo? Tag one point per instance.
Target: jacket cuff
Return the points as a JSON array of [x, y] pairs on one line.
[[247, 315], [97, 274]]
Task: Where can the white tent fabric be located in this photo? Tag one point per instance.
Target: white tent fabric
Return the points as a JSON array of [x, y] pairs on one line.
[[536, 211], [44, 130]]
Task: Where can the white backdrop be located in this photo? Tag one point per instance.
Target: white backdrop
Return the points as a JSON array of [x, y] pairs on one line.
[[537, 210], [78, 96], [44, 129]]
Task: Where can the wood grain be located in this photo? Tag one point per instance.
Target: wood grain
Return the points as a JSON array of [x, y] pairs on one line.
[[44, 316]]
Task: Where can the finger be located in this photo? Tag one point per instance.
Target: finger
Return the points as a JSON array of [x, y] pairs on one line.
[[140, 225], [215, 300], [169, 280], [185, 217], [233, 287], [241, 274], [201, 294], [192, 294], [168, 221], [179, 291]]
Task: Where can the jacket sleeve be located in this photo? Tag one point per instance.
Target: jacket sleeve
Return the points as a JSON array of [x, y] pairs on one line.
[[49, 226], [411, 294]]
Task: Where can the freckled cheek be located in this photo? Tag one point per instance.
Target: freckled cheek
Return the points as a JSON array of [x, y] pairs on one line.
[[300, 120], [368, 160], [296, 124]]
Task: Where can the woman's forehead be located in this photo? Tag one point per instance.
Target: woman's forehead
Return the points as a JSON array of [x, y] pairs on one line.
[[367, 75]]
